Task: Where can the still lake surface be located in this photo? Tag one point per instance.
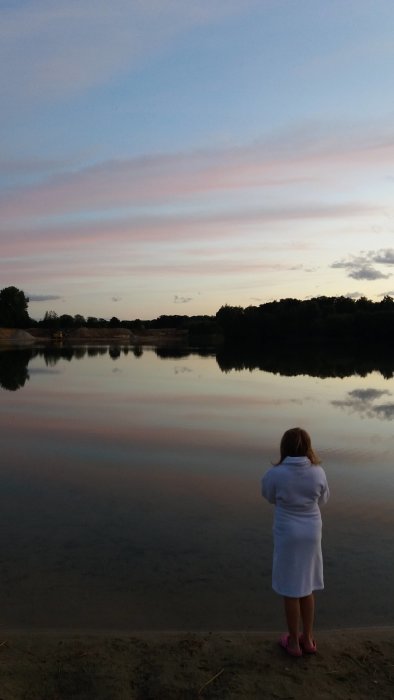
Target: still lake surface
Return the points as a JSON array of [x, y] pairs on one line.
[[130, 490]]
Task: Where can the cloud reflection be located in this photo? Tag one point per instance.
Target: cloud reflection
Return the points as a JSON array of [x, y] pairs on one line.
[[362, 401]]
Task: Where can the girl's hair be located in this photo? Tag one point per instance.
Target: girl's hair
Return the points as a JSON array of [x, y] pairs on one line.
[[296, 442]]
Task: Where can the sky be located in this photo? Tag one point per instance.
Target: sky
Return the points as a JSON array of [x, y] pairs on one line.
[[171, 156]]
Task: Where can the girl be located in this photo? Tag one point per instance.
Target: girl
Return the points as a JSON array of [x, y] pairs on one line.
[[297, 486]]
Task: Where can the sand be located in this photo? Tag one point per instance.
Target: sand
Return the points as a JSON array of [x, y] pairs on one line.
[[349, 665]]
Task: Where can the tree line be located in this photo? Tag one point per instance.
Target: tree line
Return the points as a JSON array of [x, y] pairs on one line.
[[327, 319], [289, 320]]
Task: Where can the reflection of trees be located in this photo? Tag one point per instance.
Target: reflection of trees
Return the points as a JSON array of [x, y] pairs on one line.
[[53, 355], [114, 352], [13, 368], [172, 353], [318, 360], [80, 352]]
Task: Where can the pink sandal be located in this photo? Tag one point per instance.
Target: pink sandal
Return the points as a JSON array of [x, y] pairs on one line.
[[308, 648], [284, 643]]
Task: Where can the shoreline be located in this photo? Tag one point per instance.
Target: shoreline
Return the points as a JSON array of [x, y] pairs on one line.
[[351, 664], [160, 632]]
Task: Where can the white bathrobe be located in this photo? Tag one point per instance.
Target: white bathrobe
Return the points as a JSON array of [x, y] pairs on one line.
[[297, 488]]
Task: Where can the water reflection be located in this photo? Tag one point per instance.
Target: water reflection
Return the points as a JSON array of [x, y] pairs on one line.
[[129, 490], [173, 353], [14, 372], [363, 402], [313, 360], [13, 369], [289, 362]]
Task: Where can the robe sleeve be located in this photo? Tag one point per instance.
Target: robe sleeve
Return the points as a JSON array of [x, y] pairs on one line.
[[268, 489], [325, 493]]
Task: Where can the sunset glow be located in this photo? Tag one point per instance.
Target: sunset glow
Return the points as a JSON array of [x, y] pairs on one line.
[[172, 157]]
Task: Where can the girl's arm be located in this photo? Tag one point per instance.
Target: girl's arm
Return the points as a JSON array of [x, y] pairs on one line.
[[325, 494], [268, 489]]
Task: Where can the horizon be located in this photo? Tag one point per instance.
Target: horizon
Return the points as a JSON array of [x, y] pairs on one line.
[[170, 159], [198, 315]]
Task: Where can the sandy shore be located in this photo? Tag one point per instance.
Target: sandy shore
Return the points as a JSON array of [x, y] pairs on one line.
[[349, 665]]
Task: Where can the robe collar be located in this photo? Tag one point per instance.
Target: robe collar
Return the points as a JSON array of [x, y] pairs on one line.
[[297, 461]]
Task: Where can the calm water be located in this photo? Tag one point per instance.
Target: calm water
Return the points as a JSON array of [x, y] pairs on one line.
[[130, 490]]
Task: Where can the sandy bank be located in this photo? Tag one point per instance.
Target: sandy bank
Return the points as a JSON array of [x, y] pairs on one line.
[[349, 665], [157, 336], [15, 336]]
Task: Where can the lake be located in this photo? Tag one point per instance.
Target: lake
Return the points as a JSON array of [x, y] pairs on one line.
[[130, 489]]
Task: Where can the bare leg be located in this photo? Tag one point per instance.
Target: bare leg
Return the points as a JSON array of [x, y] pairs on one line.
[[307, 609], [292, 611]]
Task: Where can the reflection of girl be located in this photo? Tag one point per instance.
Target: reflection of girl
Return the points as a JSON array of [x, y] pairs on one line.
[[297, 486]]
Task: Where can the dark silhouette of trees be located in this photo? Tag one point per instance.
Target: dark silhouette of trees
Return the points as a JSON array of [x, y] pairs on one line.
[[13, 368], [319, 360], [66, 321], [328, 319], [51, 320], [320, 319], [13, 308]]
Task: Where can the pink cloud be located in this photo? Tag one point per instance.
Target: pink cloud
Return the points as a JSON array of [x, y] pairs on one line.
[[128, 249], [180, 178], [205, 195]]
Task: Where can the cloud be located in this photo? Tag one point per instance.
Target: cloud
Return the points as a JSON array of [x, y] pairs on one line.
[[52, 50], [387, 294], [220, 226], [43, 297], [182, 300], [360, 267], [361, 401], [367, 394], [385, 257], [116, 299], [359, 271], [181, 177], [386, 411], [123, 208], [367, 273]]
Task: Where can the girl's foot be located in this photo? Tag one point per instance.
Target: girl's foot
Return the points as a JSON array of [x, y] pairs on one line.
[[293, 649], [308, 645]]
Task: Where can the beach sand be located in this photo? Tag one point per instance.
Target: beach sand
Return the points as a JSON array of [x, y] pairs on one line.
[[350, 665]]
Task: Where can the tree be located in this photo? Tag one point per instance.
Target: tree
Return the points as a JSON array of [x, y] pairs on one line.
[[79, 320], [13, 308], [66, 321], [387, 303], [51, 320]]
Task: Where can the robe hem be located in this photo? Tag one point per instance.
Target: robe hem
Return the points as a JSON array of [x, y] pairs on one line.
[[299, 595]]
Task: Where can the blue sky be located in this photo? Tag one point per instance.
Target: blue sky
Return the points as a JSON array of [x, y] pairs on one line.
[[170, 156]]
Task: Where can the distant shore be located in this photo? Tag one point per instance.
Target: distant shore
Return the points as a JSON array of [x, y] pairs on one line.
[[167, 336], [351, 664]]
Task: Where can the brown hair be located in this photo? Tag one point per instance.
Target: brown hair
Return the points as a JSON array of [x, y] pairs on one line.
[[296, 442]]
